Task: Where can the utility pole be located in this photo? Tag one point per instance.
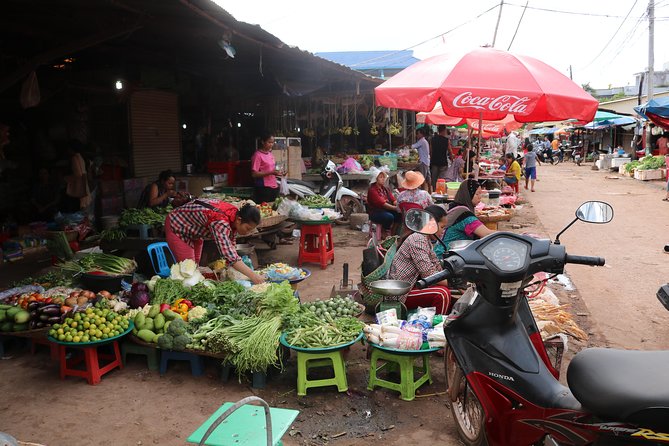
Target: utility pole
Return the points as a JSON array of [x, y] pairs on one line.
[[571, 75], [499, 16], [651, 47]]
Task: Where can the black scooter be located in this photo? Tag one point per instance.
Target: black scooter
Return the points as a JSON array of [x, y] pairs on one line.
[[502, 387]]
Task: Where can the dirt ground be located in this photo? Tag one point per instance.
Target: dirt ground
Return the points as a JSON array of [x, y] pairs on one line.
[[614, 304]]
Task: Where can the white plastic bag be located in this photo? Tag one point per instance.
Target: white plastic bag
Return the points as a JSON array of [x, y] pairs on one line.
[[283, 186]]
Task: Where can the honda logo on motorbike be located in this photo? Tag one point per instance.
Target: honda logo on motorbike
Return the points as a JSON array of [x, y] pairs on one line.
[[498, 376], [505, 103]]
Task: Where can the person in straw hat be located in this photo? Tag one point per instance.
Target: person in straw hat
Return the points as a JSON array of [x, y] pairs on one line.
[[381, 203], [412, 190]]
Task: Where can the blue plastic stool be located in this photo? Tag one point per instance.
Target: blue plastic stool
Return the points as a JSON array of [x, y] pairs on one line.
[[158, 258], [196, 361]]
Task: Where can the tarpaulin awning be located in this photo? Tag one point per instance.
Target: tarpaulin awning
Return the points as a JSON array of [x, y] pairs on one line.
[[656, 110]]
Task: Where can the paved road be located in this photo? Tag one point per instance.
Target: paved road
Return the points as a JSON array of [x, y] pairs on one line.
[[620, 296]]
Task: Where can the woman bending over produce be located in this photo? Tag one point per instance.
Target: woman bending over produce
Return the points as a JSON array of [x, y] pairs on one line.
[[186, 228], [416, 260]]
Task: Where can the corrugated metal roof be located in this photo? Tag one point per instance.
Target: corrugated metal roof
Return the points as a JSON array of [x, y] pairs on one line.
[[371, 60]]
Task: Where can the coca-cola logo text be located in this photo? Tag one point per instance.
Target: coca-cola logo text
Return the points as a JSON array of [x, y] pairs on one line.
[[504, 103]]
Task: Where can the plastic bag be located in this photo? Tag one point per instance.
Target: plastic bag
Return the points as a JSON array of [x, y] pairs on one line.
[[351, 165], [283, 186], [423, 317], [286, 207], [387, 317]]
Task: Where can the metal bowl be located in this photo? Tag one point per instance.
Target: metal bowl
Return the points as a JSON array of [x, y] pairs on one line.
[[390, 287]]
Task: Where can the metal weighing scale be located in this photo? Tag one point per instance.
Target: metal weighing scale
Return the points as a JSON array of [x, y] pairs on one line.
[[389, 289]]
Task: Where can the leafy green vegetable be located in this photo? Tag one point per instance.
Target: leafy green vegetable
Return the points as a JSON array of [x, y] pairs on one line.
[[166, 291], [650, 162], [218, 293], [629, 167], [278, 299]]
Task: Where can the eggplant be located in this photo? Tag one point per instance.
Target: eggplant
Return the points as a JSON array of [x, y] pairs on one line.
[[54, 320], [34, 314], [32, 325], [50, 306], [44, 317], [50, 311], [40, 324], [32, 306]]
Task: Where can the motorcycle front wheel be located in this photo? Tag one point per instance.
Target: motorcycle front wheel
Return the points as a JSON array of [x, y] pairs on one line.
[[466, 409]]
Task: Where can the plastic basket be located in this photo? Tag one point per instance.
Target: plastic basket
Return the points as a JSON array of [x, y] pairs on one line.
[[389, 159]]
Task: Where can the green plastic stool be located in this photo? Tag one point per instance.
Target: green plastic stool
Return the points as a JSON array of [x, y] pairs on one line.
[[134, 349], [242, 424], [307, 361], [406, 363]]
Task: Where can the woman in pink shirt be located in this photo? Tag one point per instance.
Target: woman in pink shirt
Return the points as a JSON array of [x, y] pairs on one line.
[[264, 172]]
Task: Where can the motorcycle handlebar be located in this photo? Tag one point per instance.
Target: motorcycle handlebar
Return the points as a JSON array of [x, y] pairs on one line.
[[584, 260], [434, 278]]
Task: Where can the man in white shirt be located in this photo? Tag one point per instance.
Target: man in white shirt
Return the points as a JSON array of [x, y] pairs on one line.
[[512, 143], [423, 148]]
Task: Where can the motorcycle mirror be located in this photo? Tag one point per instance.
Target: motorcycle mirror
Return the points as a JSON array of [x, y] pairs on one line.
[[590, 212], [420, 221], [595, 212]]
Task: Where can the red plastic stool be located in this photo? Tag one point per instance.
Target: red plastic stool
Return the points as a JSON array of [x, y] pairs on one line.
[[53, 348], [316, 244], [92, 370]]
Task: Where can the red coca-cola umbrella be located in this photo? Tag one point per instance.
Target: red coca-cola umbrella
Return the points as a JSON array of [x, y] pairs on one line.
[[489, 84], [490, 128]]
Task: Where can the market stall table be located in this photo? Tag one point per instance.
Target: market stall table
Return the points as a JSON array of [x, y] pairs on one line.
[[346, 177], [497, 179]]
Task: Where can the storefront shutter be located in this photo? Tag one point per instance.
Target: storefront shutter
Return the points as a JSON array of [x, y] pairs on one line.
[[154, 133]]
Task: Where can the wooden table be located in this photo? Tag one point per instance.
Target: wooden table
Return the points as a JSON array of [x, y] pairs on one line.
[[498, 179]]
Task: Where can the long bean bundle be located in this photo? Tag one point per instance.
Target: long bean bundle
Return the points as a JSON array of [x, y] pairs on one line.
[[327, 334], [253, 343]]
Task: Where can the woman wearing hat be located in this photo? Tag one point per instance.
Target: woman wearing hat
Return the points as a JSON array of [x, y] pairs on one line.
[[462, 221], [415, 259], [412, 192], [381, 203]]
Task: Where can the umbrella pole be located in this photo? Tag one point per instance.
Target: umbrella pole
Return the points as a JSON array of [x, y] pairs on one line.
[[469, 148], [478, 149]]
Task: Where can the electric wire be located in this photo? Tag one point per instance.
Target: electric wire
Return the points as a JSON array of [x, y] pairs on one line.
[[613, 36], [518, 25], [430, 39], [567, 12]]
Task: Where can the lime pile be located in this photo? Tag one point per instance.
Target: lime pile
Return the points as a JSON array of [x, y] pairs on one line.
[[334, 308], [90, 326]]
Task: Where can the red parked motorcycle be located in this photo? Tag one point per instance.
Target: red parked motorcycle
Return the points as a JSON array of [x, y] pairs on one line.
[[502, 387]]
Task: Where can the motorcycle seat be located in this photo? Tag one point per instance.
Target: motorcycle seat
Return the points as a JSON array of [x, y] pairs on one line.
[[308, 184], [622, 385]]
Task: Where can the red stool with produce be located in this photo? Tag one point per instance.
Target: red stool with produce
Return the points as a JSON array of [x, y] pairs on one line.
[[316, 244]]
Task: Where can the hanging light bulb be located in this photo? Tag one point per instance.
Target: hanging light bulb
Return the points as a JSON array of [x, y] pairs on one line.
[[119, 84]]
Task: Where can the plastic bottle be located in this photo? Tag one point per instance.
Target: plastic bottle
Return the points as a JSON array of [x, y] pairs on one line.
[[441, 186]]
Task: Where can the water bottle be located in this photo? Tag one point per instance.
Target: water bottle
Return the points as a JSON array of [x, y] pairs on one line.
[[365, 228]]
